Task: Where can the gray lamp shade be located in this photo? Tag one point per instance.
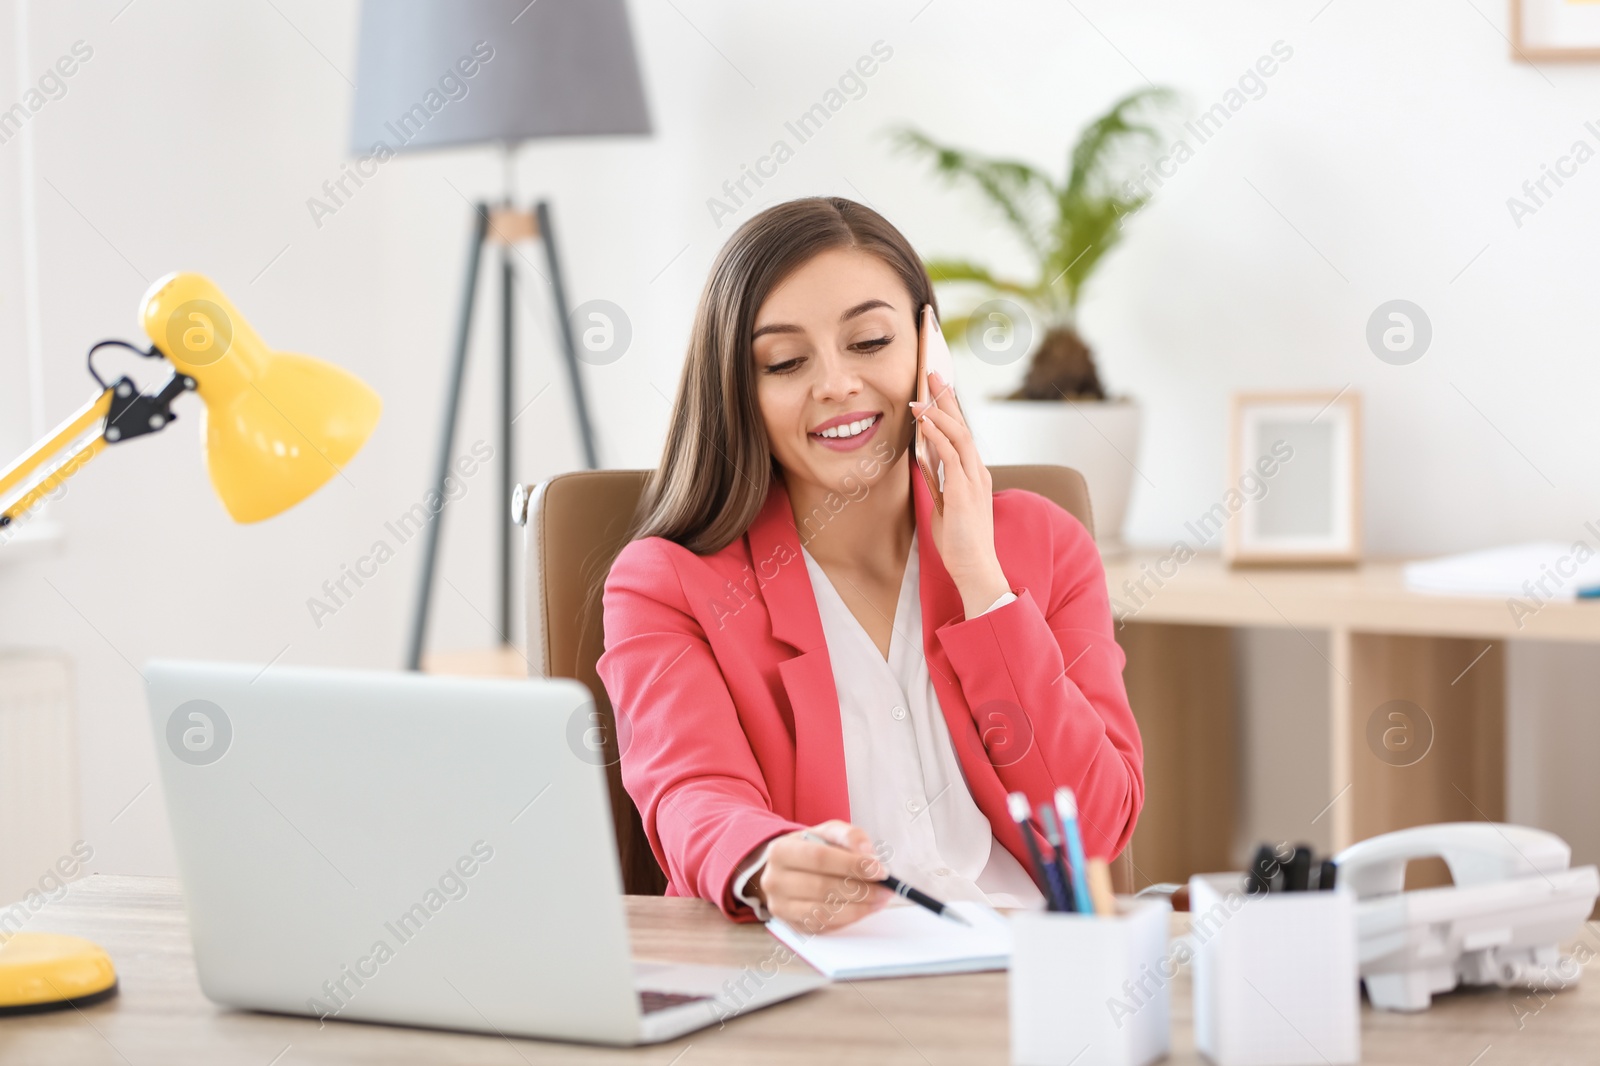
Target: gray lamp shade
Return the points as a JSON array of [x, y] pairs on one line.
[[433, 73]]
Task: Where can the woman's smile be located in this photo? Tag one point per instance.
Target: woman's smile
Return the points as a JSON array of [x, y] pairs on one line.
[[846, 433]]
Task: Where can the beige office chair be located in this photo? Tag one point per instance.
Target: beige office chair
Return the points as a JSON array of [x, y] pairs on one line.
[[576, 525]]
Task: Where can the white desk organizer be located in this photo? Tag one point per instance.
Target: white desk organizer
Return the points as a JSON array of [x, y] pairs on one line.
[[1275, 981], [1091, 991], [1512, 902]]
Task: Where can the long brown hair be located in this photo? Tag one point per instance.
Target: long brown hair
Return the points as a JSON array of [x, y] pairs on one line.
[[717, 465]]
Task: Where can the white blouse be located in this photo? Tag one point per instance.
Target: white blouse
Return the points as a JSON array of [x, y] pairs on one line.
[[905, 782]]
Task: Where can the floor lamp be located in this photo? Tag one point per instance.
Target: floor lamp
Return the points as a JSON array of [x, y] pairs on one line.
[[449, 73]]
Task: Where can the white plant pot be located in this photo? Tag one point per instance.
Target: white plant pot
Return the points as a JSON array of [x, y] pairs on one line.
[[1098, 438]]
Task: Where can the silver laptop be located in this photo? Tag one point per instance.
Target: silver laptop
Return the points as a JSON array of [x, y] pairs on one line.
[[419, 850]]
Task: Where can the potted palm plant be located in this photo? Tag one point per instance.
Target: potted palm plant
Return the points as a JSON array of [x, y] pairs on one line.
[[1060, 412]]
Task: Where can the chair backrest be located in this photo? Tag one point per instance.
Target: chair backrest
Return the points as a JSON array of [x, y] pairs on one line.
[[576, 525]]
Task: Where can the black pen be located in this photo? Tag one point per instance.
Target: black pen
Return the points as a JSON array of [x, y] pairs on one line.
[[1263, 872], [1297, 871], [1056, 866], [900, 888], [1021, 812]]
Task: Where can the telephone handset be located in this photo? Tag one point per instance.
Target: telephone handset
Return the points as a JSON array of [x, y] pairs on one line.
[[933, 353], [1512, 902], [1477, 853]]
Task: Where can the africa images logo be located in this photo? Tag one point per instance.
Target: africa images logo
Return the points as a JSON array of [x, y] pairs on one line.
[[199, 732]]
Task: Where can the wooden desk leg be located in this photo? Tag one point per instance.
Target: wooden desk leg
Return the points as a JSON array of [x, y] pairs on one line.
[[1180, 682], [1426, 734], [1341, 694]]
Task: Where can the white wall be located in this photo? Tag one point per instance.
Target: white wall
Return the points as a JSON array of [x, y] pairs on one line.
[[1376, 166]]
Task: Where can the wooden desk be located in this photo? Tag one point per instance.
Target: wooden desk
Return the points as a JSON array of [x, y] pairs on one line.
[[161, 1018], [1442, 654]]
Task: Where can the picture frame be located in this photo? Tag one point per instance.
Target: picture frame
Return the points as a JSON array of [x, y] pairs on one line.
[[1559, 30], [1294, 461]]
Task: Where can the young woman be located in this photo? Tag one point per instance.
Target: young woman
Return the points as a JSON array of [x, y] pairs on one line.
[[795, 639]]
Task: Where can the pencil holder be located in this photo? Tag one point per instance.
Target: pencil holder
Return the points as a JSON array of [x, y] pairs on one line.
[[1088, 990], [1275, 975]]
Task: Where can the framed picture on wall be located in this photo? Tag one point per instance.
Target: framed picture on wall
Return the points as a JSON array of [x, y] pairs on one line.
[[1295, 465], [1555, 29]]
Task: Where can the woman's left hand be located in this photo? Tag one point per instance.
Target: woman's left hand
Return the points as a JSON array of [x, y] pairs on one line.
[[964, 534]]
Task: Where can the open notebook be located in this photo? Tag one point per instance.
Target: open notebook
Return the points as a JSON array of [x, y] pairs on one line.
[[904, 940]]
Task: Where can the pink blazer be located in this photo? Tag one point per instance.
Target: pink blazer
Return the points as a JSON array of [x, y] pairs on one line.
[[728, 718]]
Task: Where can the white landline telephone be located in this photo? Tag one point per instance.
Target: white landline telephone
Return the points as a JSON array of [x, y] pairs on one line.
[[1514, 900]]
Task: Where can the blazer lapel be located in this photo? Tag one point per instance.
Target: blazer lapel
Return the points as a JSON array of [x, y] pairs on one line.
[[821, 791]]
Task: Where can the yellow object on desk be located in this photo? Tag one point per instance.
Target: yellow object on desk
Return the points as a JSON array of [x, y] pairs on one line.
[[42, 971]]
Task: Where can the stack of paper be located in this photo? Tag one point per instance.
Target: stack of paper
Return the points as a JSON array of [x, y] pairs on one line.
[[1546, 570], [904, 940]]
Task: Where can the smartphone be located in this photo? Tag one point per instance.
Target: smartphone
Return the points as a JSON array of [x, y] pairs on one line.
[[932, 354]]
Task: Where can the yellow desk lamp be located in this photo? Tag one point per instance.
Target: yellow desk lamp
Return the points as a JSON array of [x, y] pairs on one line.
[[275, 427]]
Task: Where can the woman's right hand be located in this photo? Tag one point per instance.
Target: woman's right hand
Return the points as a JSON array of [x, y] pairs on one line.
[[816, 886]]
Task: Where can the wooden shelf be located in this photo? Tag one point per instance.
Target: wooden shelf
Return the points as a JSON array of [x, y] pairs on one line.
[[1370, 598], [1436, 661]]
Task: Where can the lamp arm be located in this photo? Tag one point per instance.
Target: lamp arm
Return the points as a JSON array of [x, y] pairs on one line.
[[66, 433], [123, 413]]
